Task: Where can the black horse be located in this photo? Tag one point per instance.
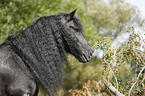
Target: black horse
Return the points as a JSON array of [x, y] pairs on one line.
[[34, 56]]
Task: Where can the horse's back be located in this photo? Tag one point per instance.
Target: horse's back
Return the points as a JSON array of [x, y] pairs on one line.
[[13, 81]]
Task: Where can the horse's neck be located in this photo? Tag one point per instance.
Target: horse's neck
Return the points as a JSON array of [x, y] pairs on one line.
[[38, 48], [40, 39]]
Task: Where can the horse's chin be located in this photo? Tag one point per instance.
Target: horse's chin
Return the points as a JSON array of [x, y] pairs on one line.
[[83, 61]]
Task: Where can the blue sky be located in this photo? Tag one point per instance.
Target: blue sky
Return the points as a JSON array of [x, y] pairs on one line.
[[140, 4]]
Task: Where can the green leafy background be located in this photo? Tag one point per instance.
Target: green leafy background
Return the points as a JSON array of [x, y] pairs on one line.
[[103, 23]]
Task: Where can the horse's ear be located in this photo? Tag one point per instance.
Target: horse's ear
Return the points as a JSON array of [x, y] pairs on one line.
[[71, 15]]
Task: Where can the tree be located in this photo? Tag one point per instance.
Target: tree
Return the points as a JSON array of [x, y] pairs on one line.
[[15, 15], [111, 17]]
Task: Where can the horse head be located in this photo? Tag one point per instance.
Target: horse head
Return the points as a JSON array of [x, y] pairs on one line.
[[75, 42]]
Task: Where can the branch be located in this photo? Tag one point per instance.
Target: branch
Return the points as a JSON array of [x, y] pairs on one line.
[[88, 93], [136, 80], [112, 73], [113, 89]]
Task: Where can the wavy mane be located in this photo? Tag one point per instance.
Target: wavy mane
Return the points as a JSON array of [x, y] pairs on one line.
[[41, 49]]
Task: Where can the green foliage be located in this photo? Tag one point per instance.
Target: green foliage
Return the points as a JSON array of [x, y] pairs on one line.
[[118, 65], [111, 16], [104, 14], [18, 14], [120, 62], [96, 16], [80, 72]]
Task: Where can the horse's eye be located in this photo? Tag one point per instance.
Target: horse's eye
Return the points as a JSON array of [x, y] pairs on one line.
[[76, 29]]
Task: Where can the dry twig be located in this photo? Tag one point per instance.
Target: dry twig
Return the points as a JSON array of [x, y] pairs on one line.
[[136, 80], [113, 89]]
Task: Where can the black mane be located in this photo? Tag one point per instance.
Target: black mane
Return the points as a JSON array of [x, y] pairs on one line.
[[40, 47], [37, 53]]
